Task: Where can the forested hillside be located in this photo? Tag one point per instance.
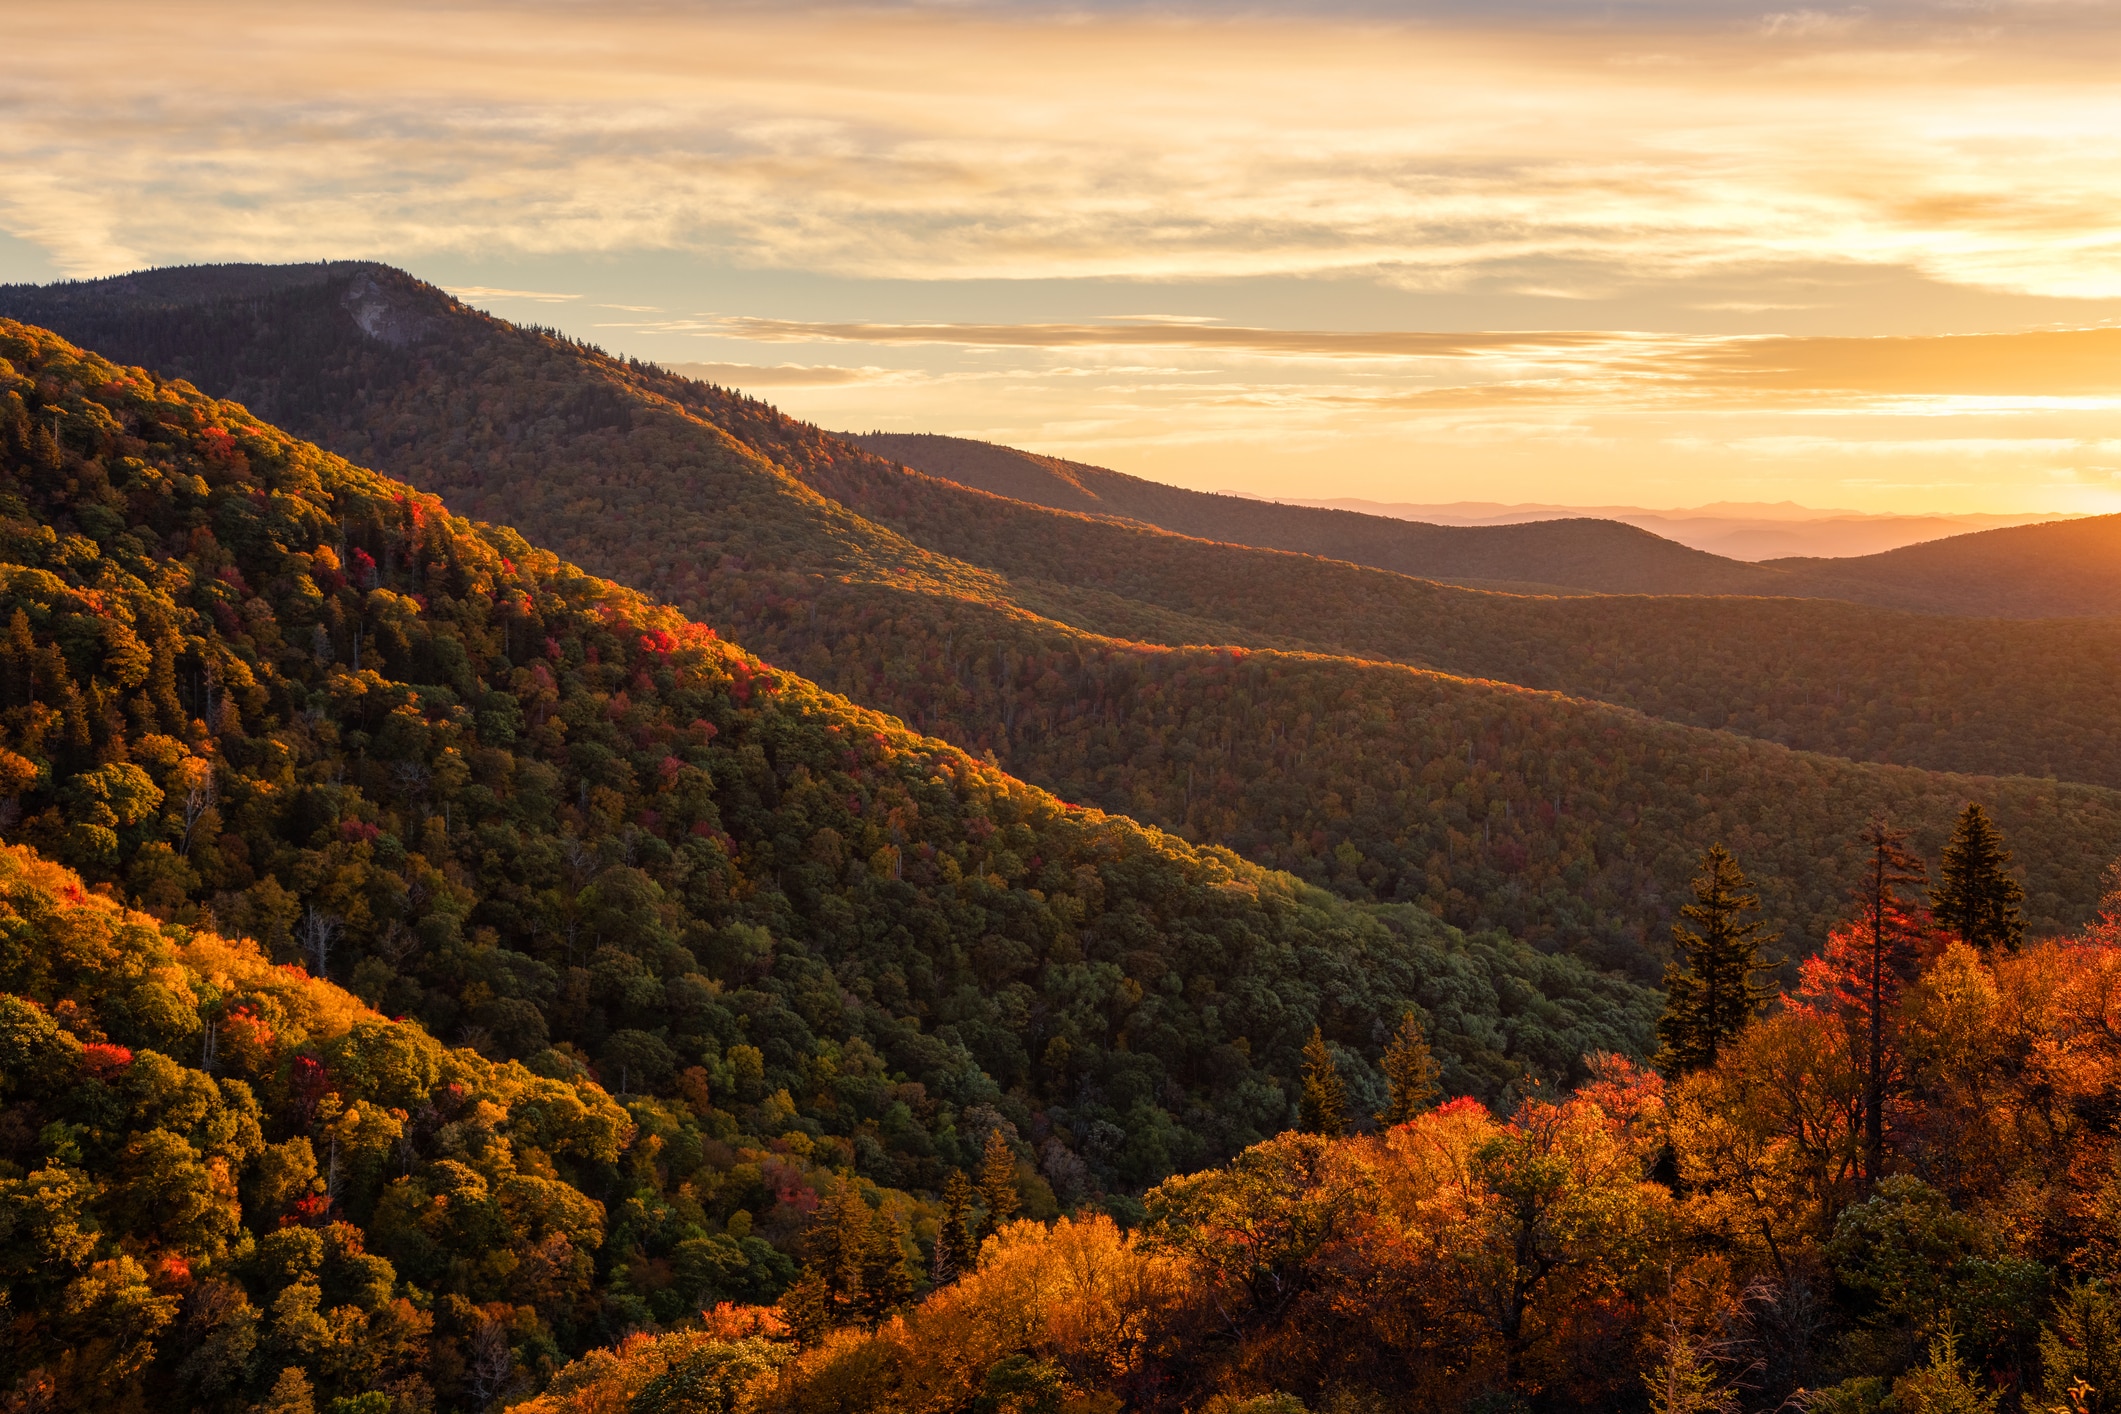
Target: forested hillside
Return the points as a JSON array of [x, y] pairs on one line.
[[1712, 1238], [2068, 567], [1568, 823], [251, 684]]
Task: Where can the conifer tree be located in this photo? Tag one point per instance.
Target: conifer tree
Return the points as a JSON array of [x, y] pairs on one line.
[[956, 1253], [1324, 1109], [1890, 932], [1975, 896], [997, 1180], [886, 1284], [1712, 989], [1411, 1074]]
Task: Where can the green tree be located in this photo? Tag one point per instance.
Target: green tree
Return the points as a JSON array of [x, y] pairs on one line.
[[1943, 1386], [955, 1251], [1324, 1109], [1713, 989], [1411, 1073], [1975, 895], [2080, 1351], [997, 1180]]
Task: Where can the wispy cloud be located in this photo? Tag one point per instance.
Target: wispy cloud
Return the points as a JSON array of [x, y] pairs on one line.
[[487, 292], [1001, 142], [1298, 342], [781, 375]]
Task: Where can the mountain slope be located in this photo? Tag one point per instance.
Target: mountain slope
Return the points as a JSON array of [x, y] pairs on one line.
[[1601, 555], [2064, 567], [556, 821], [2059, 569], [1571, 824]]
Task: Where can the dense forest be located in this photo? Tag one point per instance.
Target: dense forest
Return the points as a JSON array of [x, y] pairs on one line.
[[1565, 822], [434, 978], [711, 945], [1731, 1234]]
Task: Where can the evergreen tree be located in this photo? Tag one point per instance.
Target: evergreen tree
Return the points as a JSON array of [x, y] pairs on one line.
[[1713, 989], [956, 1252], [886, 1284], [997, 1180], [1891, 930], [1411, 1074], [1975, 896], [1325, 1100]]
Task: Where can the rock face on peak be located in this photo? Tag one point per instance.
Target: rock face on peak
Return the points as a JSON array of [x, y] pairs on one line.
[[386, 312]]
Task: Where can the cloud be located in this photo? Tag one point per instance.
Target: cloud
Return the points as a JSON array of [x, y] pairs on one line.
[[486, 292], [784, 375], [1280, 342], [1003, 142], [2052, 364]]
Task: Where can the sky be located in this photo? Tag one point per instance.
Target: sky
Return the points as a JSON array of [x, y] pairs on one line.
[[1660, 254]]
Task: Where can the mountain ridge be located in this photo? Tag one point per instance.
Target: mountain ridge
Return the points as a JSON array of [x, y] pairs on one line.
[[2063, 568], [1564, 823]]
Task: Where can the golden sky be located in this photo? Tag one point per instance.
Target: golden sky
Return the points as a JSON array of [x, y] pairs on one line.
[[1595, 253]]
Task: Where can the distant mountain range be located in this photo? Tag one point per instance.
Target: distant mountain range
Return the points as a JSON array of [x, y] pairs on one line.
[[2066, 568], [1737, 530]]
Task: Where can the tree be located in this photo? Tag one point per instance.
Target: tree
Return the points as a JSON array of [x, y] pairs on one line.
[[997, 1180], [1713, 990], [290, 1394], [1890, 930], [955, 1251], [320, 930], [1325, 1100], [1411, 1074], [1975, 895], [1944, 1386]]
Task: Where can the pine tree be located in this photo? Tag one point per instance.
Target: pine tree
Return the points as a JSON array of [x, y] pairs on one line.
[[1411, 1074], [886, 1284], [997, 1180], [1713, 989], [956, 1253], [1975, 896], [807, 1307], [1325, 1100], [1890, 931]]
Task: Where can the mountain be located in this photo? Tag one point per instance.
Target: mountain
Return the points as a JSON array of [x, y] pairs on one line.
[[249, 679], [1329, 726], [2053, 570], [2064, 567], [1578, 553], [710, 945], [1738, 530]]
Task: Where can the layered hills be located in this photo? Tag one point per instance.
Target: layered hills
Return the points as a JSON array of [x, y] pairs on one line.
[[421, 961], [1366, 730], [2058, 569], [1570, 553], [248, 685]]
